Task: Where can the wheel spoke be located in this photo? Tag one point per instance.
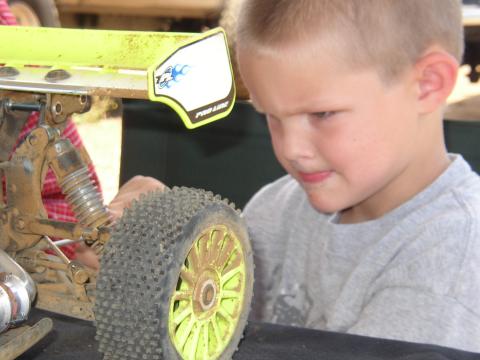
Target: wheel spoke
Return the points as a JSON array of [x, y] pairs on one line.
[[235, 263], [178, 318], [182, 295], [193, 260], [187, 276], [185, 333], [229, 275], [226, 253], [202, 249], [223, 313], [217, 237], [230, 294], [205, 341], [216, 331], [196, 337]]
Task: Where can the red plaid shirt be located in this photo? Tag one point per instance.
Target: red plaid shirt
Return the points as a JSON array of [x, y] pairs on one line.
[[6, 17], [53, 199]]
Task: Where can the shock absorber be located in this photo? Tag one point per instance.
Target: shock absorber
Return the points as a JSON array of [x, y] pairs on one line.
[[76, 184]]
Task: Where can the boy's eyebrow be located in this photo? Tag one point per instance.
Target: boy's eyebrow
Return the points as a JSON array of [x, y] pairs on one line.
[[327, 105]]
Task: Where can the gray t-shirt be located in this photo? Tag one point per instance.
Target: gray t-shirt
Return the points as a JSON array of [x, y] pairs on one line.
[[413, 274]]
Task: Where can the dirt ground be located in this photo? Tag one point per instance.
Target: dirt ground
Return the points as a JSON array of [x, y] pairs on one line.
[[102, 137]]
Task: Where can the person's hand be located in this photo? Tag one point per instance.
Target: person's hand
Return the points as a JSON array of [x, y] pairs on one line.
[[132, 190], [87, 256]]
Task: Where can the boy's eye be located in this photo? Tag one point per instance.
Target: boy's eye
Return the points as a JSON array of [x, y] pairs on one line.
[[323, 115]]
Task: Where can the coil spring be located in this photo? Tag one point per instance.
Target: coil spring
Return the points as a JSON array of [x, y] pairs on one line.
[[84, 198]]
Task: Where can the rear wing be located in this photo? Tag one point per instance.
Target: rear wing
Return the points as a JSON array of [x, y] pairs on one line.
[[191, 73]]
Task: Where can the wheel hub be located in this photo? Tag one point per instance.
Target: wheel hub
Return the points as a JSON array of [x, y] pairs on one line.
[[205, 294], [208, 294]]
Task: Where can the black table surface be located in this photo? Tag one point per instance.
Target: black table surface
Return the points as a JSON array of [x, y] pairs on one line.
[[73, 339]]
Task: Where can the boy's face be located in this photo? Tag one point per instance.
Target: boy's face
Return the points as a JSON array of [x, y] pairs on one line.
[[349, 139]]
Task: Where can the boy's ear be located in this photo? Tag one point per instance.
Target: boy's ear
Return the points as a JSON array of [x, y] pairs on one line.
[[436, 73]]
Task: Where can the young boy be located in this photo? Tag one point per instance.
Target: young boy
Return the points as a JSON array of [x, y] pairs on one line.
[[376, 229]]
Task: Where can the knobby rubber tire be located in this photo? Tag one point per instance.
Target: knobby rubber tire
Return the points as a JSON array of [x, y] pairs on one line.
[[140, 269]]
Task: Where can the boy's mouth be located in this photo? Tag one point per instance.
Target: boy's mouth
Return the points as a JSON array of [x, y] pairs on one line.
[[315, 177]]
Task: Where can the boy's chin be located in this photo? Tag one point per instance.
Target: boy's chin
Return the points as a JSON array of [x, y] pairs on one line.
[[325, 206]]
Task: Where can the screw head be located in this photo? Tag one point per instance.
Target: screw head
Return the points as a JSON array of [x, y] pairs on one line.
[[20, 224], [33, 140], [57, 75], [8, 71]]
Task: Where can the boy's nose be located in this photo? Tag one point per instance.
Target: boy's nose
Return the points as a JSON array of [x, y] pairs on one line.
[[297, 143]]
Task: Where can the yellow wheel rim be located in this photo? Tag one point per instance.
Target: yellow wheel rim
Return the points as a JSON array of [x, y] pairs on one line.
[[206, 305]]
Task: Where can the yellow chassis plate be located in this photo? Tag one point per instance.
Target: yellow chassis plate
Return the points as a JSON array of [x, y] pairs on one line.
[[189, 72]]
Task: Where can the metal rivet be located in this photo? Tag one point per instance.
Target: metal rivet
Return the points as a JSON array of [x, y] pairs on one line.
[[8, 71], [20, 224], [58, 108], [57, 75], [33, 140]]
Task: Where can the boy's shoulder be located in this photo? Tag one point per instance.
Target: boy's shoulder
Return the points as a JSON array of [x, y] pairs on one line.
[[465, 191], [457, 190], [447, 214], [460, 226], [452, 208]]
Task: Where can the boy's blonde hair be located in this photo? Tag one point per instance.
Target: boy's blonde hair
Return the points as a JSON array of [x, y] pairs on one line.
[[389, 35]]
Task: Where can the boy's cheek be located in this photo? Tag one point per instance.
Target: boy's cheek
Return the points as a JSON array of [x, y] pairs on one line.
[[281, 158], [276, 145]]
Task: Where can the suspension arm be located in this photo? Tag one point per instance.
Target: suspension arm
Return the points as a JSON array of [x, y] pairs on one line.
[[26, 224]]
